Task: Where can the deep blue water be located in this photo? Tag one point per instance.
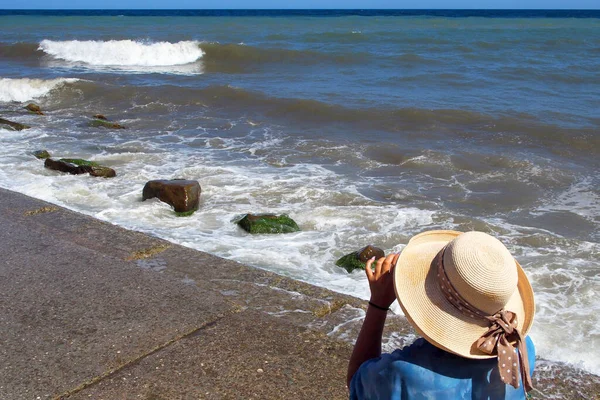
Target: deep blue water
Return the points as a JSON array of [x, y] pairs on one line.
[[318, 13]]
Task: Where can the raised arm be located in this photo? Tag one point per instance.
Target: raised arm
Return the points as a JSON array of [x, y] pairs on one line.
[[381, 283]]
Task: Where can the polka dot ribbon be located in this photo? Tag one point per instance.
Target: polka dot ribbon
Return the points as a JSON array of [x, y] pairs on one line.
[[512, 364]]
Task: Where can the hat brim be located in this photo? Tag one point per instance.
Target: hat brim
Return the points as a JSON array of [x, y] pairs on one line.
[[428, 310]]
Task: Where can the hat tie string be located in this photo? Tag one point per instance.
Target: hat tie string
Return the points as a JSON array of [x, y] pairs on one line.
[[495, 341]]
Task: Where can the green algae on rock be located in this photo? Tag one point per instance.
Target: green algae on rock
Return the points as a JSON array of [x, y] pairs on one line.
[[41, 154], [358, 259], [350, 262], [13, 126], [80, 161], [64, 166], [102, 172], [267, 223], [77, 166], [184, 213]]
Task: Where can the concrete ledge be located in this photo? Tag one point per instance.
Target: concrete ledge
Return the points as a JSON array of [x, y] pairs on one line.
[[91, 310], [252, 356]]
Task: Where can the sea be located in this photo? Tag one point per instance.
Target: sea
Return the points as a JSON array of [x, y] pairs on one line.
[[364, 126]]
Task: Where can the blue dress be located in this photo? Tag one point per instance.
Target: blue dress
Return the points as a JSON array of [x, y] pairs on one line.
[[422, 371]]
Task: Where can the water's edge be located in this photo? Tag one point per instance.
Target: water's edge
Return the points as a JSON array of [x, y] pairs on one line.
[[337, 315]]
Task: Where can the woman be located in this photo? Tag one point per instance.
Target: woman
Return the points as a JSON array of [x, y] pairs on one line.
[[471, 303]]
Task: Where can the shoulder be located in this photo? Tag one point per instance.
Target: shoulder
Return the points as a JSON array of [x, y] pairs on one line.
[[411, 367], [423, 368]]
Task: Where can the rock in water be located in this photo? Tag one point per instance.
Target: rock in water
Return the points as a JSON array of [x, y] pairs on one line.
[[267, 223], [100, 116], [64, 166], [41, 154], [80, 161], [358, 259], [183, 195], [100, 123], [93, 168], [14, 126], [78, 166], [34, 108], [102, 172]]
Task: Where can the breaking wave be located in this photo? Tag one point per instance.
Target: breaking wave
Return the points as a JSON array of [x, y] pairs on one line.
[[215, 57], [123, 52], [28, 89]]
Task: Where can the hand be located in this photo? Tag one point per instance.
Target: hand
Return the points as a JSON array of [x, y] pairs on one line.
[[381, 281]]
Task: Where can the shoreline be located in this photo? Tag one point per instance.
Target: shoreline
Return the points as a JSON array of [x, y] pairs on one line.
[[81, 276]]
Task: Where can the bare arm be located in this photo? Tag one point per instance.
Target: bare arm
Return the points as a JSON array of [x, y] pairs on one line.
[[368, 344], [381, 283]]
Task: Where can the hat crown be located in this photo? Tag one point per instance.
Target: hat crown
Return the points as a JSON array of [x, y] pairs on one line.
[[481, 270]]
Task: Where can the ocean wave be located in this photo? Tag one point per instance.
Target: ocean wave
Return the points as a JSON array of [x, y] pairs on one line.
[[230, 57], [19, 51], [214, 56], [28, 89], [507, 129], [123, 52]]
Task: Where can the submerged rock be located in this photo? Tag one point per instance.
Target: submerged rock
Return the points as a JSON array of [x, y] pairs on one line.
[[358, 259], [103, 123], [182, 194], [34, 108], [41, 154], [78, 166], [13, 126], [267, 223]]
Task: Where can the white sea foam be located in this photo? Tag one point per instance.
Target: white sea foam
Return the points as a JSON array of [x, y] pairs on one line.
[[123, 52], [579, 199], [25, 89], [334, 216]]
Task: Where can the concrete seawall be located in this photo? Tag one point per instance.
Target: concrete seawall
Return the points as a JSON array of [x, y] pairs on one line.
[[89, 310]]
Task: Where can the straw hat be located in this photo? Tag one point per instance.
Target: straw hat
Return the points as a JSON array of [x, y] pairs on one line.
[[481, 270]]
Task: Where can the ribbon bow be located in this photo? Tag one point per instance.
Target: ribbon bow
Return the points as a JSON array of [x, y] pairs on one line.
[[511, 363]]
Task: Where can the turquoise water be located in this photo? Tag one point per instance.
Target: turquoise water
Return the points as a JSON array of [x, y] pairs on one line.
[[364, 128]]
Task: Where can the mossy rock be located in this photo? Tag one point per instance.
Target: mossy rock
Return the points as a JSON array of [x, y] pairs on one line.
[[41, 154], [63, 166], [99, 123], [80, 162], [358, 259], [350, 262], [77, 166], [267, 223], [34, 108], [13, 126], [102, 172]]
